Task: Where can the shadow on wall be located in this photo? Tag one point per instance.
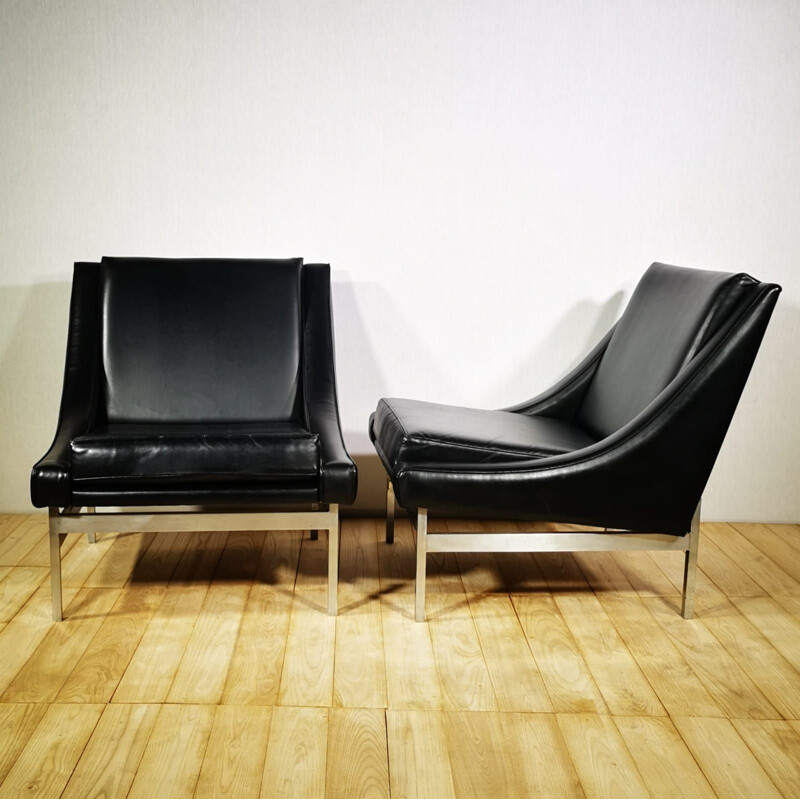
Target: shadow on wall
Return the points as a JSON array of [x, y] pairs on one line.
[[572, 338], [33, 335]]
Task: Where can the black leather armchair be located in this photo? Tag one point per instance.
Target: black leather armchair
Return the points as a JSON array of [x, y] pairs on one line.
[[626, 441], [197, 382]]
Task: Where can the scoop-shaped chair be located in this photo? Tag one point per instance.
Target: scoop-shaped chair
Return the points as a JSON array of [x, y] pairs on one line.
[[197, 383], [625, 442]]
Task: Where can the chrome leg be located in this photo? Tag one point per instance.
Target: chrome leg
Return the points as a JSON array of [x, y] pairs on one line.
[[333, 563], [690, 568], [422, 553], [55, 567], [389, 511], [91, 536], [314, 534]]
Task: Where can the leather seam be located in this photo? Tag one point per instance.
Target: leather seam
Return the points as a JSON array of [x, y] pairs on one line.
[[108, 440], [414, 439], [195, 474]]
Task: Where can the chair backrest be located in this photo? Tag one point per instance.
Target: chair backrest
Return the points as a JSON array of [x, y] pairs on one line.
[[201, 340], [672, 313]]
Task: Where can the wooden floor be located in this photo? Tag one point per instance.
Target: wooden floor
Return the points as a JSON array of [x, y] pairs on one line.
[[204, 665]]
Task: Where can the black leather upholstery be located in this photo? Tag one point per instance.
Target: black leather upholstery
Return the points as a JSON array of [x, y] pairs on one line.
[[157, 454], [203, 494], [51, 483], [203, 326], [198, 382], [338, 477], [412, 431], [671, 394], [671, 315]]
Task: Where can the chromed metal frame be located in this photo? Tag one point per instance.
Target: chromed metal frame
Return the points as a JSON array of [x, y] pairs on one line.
[[87, 520], [544, 542]]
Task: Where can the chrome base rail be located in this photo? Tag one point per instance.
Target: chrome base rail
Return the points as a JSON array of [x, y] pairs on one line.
[[550, 542], [92, 522]]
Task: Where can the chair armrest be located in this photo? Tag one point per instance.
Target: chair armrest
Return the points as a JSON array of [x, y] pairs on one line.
[[339, 479], [50, 476], [647, 476], [563, 398]]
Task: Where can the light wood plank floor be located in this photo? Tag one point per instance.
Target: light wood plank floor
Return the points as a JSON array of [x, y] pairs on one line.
[[204, 665]]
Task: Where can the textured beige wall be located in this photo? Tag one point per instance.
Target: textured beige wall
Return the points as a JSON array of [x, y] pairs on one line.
[[488, 180]]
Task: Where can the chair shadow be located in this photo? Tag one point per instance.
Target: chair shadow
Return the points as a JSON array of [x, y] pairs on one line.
[[569, 341]]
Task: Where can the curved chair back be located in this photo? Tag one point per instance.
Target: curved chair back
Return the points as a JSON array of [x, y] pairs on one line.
[[672, 314]]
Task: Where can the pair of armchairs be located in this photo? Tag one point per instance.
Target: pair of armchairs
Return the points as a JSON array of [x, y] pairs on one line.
[[201, 395]]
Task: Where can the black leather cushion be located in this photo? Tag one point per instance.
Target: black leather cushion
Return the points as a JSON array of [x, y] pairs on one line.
[[415, 432], [168, 454], [672, 313], [201, 340]]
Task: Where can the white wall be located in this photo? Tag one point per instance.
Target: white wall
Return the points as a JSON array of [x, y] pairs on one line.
[[488, 180]]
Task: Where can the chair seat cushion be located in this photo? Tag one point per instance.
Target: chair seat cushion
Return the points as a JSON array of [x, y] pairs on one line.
[[414, 432], [160, 454]]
